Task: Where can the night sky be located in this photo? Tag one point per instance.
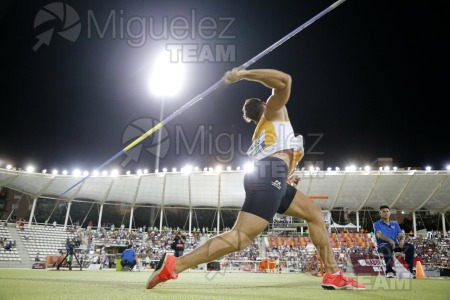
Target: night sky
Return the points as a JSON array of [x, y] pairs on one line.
[[370, 80]]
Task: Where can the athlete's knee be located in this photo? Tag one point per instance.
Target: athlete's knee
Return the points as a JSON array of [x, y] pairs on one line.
[[314, 212]]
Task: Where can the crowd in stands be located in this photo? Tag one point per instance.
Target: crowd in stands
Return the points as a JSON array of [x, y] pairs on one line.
[[289, 252], [151, 244], [434, 251]]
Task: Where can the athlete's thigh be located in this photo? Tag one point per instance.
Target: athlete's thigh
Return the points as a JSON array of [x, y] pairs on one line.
[[249, 224], [303, 207]]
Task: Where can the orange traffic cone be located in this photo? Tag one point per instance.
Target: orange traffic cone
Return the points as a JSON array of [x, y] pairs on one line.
[[419, 270]]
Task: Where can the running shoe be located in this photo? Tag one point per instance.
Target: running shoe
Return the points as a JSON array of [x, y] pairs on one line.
[[340, 282], [163, 271], [390, 275]]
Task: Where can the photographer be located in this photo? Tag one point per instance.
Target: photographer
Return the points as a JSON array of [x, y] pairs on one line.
[[178, 244], [128, 257]]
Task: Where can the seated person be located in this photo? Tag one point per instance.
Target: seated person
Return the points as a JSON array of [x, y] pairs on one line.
[[8, 245], [390, 239], [21, 224], [128, 257]]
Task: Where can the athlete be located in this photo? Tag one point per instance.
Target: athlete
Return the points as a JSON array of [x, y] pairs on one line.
[[275, 151]]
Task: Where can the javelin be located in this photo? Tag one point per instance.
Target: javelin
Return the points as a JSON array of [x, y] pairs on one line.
[[209, 90]]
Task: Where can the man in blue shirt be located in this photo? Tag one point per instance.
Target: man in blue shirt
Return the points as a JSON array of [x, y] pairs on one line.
[[390, 238], [128, 257]]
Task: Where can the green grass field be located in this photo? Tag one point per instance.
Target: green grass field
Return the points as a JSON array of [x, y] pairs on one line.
[[110, 284]]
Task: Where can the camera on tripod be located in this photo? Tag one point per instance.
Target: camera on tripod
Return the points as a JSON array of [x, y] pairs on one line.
[[70, 249]]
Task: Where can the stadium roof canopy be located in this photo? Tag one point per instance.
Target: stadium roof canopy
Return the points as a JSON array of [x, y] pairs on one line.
[[356, 190]]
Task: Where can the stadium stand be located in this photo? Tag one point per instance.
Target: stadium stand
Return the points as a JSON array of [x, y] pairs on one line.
[[293, 253], [45, 240]]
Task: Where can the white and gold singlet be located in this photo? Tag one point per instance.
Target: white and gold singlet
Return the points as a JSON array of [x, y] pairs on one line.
[[273, 136]]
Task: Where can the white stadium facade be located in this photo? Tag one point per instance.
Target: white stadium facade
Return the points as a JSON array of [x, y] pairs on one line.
[[356, 190]]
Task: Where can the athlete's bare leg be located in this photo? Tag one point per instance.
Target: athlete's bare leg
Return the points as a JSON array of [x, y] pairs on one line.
[[304, 208], [245, 230]]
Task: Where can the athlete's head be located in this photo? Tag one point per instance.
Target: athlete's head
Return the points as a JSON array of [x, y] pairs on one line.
[[253, 109]]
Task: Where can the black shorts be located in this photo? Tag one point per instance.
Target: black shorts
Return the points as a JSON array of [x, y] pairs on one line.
[[266, 189]]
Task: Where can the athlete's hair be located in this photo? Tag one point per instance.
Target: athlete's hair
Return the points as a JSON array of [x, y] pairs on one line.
[[384, 206], [253, 109]]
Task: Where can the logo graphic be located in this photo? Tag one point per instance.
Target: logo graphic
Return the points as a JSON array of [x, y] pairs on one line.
[[276, 184], [58, 17], [150, 144]]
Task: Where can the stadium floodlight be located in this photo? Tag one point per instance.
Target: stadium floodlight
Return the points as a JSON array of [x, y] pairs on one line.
[[352, 168], [55, 172], [186, 169], [104, 173], [367, 168], [95, 173], [428, 168], [128, 173], [44, 171], [115, 173], [174, 170], [167, 76], [228, 168], [8, 167], [76, 173], [165, 81], [139, 172], [165, 170], [145, 171], [448, 167], [30, 169], [64, 172], [85, 173]]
